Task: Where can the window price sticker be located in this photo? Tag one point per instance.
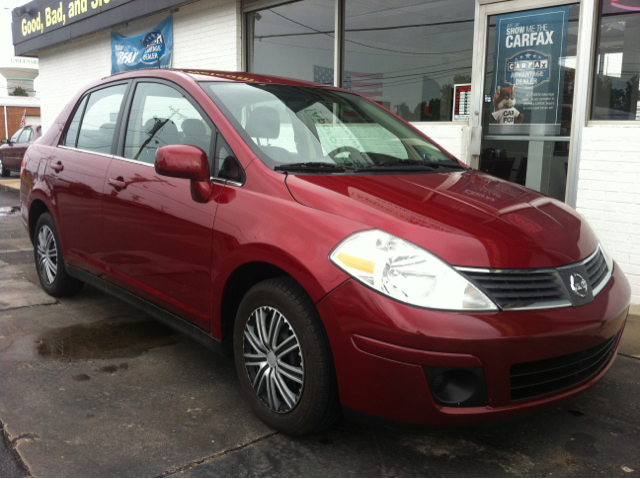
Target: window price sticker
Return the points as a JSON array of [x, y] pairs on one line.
[[461, 101]]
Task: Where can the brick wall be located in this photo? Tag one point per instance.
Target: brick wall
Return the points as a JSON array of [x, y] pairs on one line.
[[14, 115], [608, 193], [206, 34]]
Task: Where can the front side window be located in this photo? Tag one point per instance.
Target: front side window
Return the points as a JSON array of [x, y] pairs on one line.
[[99, 120], [616, 93], [16, 135], [26, 135], [287, 125], [161, 115]]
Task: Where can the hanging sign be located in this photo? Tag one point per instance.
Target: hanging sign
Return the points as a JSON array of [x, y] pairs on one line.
[[529, 57], [148, 50]]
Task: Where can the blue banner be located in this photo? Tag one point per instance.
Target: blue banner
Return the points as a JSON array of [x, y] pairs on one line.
[[148, 50], [530, 52]]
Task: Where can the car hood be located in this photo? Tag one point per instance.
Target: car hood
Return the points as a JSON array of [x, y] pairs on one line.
[[467, 218]]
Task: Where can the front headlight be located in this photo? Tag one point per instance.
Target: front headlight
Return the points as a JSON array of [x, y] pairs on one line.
[[406, 272]]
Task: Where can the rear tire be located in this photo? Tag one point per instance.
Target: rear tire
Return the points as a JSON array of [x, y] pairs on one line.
[[49, 261], [294, 392], [3, 169]]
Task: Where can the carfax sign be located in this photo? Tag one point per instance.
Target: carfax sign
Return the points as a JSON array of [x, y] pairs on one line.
[[151, 49], [529, 72]]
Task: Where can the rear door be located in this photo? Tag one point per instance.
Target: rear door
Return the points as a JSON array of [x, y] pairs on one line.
[[157, 238], [78, 169]]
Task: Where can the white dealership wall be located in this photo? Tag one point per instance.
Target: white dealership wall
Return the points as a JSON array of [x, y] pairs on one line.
[[609, 195], [206, 35]]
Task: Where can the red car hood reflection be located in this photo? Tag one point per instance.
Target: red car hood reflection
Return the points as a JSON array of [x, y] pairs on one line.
[[466, 218]]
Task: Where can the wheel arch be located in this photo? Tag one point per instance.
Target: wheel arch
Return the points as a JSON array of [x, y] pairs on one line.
[[263, 262]]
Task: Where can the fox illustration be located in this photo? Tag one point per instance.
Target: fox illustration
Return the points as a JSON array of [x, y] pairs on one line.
[[504, 102]]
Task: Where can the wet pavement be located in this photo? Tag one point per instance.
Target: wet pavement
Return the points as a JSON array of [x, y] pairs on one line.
[[91, 387]]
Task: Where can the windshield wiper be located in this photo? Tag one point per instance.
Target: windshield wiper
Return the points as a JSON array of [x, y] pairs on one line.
[[412, 165], [312, 167]]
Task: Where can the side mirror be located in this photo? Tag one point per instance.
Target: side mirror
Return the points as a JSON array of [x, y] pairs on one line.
[[187, 162]]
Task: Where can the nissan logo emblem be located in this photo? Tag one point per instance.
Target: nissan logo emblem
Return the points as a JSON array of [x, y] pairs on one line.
[[579, 285]]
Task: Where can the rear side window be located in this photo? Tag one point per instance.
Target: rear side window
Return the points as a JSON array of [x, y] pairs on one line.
[[26, 135], [99, 120], [161, 115], [72, 133]]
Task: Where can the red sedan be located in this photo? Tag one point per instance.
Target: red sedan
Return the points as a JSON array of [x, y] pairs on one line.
[[12, 150], [346, 260]]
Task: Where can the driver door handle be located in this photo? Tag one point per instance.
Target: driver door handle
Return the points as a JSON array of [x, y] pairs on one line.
[[57, 167], [118, 183]]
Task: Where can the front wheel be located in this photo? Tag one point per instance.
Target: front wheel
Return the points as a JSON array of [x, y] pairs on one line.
[[49, 262], [283, 358]]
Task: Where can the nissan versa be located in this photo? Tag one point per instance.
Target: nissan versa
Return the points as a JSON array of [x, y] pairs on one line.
[[347, 261]]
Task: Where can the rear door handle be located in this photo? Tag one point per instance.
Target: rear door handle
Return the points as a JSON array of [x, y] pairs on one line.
[[118, 183], [57, 167]]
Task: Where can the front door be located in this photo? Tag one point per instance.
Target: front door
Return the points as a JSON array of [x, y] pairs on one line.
[[157, 238], [527, 100]]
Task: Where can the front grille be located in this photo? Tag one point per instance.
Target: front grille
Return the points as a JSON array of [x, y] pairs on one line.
[[537, 378], [596, 269], [519, 290], [513, 289]]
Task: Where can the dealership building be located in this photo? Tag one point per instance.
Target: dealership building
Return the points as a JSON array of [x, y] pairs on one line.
[[544, 93]]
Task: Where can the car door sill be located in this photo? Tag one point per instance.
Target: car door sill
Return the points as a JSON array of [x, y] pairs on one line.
[[175, 322]]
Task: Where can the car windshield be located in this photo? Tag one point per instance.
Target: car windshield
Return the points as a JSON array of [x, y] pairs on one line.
[[323, 130]]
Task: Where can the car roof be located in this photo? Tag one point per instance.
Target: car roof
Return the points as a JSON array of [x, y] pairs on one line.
[[219, 75]]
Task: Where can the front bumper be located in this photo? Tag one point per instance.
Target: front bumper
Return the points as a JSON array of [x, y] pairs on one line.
[[380, 347]]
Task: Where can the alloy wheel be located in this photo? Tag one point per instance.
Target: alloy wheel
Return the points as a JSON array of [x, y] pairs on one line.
[[47, 255], [273, 359]]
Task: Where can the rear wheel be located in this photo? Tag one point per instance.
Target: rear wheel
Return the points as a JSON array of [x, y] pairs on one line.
[[283, 358], [3, 169], [49, 262]]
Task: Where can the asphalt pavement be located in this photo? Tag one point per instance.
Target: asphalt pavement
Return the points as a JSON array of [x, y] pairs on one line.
[[91, 387]]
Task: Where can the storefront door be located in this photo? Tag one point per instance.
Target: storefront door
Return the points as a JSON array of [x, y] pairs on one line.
[[527, 96]]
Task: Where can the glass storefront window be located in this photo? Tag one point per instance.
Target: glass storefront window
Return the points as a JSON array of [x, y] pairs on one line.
[[617, 62], [295, 40], [408, 54]]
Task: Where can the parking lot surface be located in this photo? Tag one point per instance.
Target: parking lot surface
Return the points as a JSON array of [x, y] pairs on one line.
[[91, 387]]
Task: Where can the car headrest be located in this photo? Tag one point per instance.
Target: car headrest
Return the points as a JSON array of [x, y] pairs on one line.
[[108, 126], [193, 127], [264, 122]]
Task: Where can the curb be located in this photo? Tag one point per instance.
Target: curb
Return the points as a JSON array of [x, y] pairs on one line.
[[9, 189]]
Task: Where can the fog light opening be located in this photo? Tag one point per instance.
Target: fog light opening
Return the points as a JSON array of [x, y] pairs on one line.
[[457, 387]]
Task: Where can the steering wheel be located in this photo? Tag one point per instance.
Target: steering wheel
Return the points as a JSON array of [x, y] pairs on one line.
[[346, 149]]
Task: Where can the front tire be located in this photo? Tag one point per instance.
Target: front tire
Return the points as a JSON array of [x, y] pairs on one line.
[[283, 358], [49, 261]]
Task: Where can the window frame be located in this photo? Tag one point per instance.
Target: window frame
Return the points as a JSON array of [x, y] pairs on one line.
[[24, 130], [87, 95], [123, 121], [595, 39], [16, 135]]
